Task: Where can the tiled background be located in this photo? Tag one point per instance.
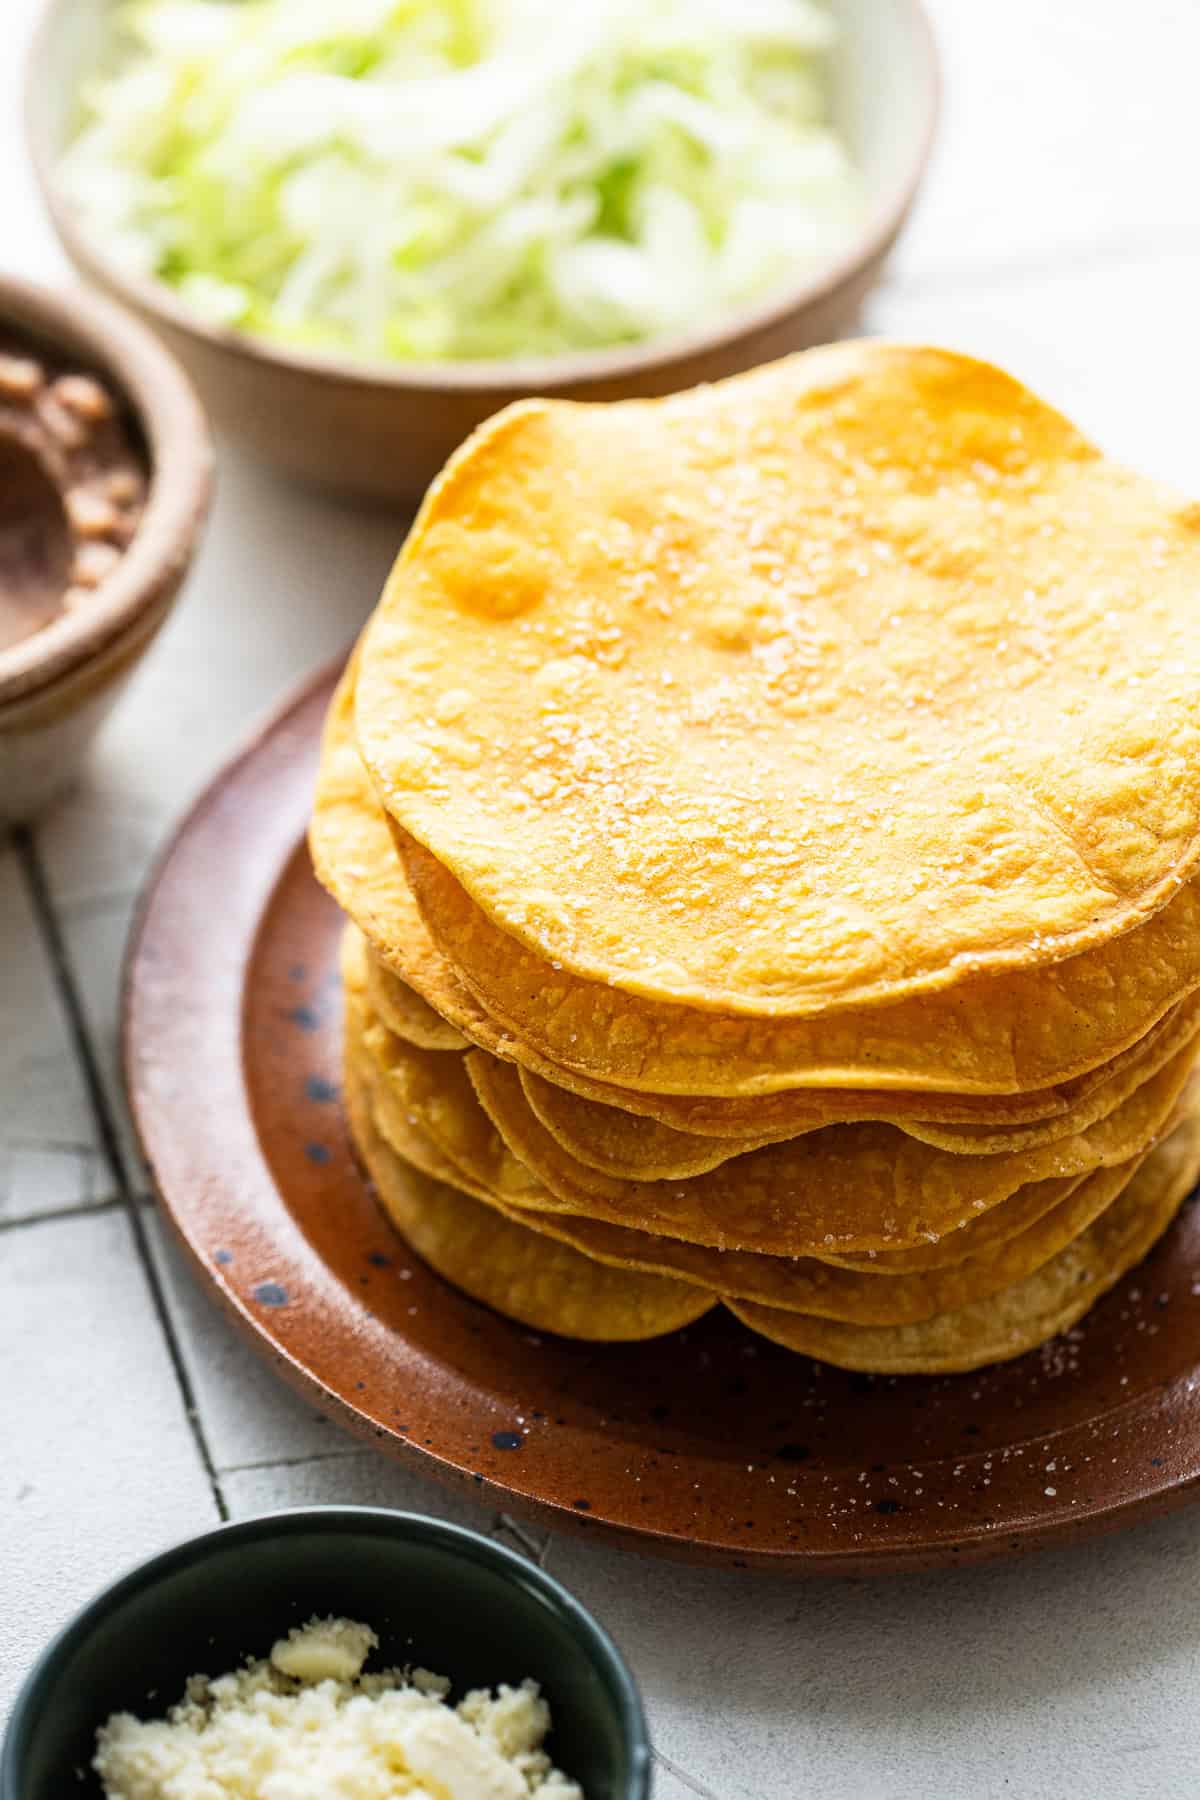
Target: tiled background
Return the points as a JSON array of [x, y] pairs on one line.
[[1060, 233]]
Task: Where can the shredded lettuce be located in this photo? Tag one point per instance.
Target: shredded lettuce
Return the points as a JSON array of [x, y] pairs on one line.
[[441, 179]]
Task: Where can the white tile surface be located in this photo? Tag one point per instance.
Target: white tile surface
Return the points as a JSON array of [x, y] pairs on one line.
[[250, 1415], [1069, 131], [98, 1468], [45, 1180], [50, 1155], [360, 1478], [673, 1784], [94, 939], [1060, 233], [1064, 1677]]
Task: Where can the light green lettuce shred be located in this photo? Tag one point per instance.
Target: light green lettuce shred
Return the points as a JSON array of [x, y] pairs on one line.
[[437, 179]]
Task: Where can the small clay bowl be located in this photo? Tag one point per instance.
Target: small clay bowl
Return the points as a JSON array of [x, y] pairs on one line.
[[436, 1595], [385, 429], [58, 683]]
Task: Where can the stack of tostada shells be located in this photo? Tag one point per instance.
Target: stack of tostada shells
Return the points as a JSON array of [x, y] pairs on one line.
[[768, 821]]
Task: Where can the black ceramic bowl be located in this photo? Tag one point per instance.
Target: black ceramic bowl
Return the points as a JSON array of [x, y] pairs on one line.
[[437, 1595]]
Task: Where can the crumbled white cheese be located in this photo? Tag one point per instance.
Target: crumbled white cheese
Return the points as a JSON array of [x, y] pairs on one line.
[[308, 1722], [324, 1650]]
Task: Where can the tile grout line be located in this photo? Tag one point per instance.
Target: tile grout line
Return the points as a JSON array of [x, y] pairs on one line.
[[682, 1776], [52, 1146], [85, 1209], [535, 1551], [64, 980], [293, 1462]]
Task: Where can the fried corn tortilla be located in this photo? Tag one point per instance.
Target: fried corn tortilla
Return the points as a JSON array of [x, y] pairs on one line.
[[983, 1231], [403, 1011], [772, 819], [453, 1123], [1002, 1033], [405, 1134], [355, 858], [473, 1156], [769, 1117], [433, 1117], [545, 1285], [425, 1102], [849, 679], [1093, 1101], [847, 1188], [486, 1251], [1023, 1316], [806, 1285], [625, 1145], [793, 1284], [467, 1247]]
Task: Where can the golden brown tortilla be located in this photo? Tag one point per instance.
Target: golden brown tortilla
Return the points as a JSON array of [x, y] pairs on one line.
[[849, 679]]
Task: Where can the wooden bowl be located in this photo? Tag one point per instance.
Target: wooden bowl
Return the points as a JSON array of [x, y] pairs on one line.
[[384, 429], [58, 684]]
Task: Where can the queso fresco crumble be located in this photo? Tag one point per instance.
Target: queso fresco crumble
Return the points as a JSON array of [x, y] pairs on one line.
[[307, 1721]]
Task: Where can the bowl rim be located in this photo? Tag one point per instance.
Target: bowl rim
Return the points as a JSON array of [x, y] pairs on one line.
[[413, 1527], [77, 324], [572, 369]]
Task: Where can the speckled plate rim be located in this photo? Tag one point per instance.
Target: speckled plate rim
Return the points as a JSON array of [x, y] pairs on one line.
[[186, 1085]]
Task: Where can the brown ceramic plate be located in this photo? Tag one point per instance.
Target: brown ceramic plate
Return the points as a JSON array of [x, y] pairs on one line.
[[710, 1445]]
